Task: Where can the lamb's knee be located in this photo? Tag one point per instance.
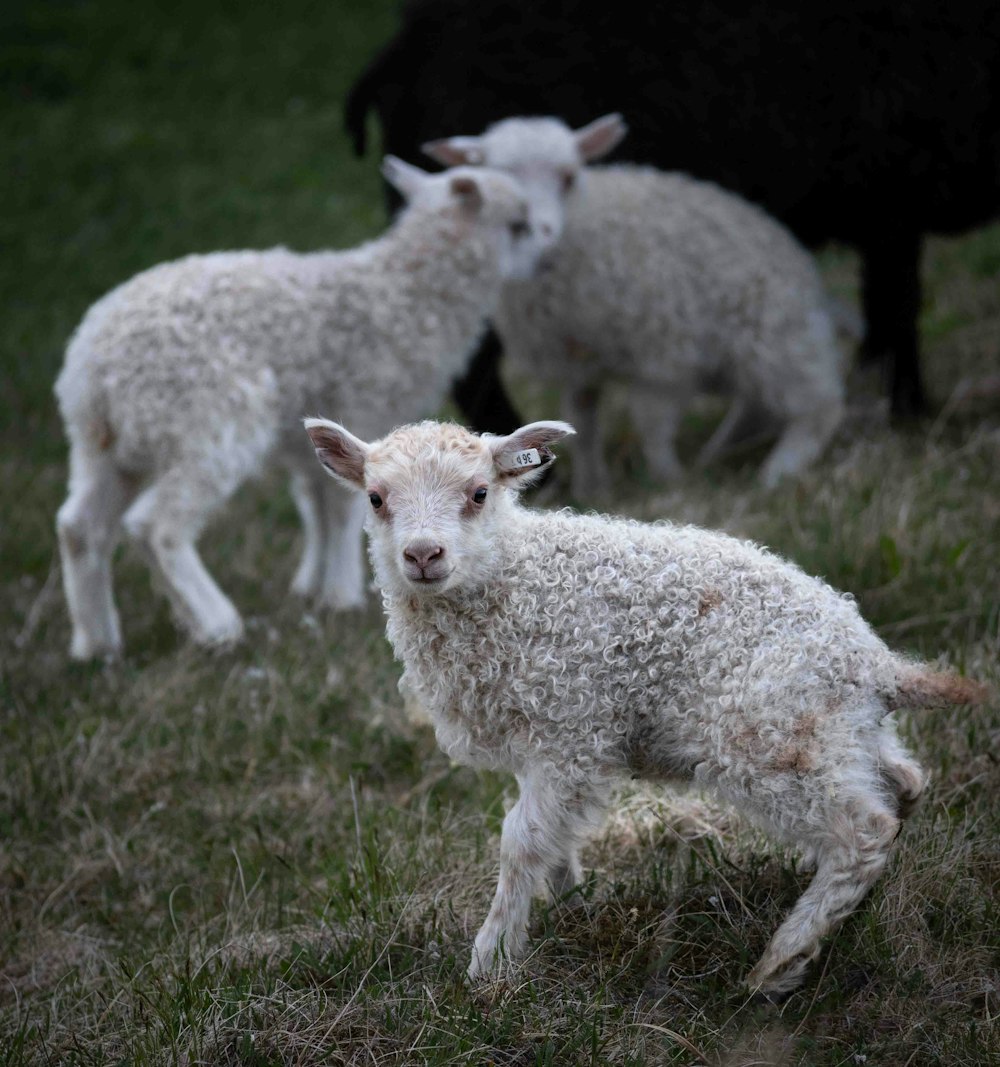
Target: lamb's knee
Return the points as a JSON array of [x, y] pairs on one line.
[[83, 529], [71, 529], [828, 417]]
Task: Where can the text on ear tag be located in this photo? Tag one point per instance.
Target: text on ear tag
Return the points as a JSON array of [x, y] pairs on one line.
[[527, 457]]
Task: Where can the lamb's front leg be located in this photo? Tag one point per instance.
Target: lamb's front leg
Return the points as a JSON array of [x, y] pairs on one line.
[[540, 839], [307, 492], [344, 572]]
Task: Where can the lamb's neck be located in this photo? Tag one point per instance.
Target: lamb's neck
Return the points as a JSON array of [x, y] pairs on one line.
[[444, 286], [432, 256]]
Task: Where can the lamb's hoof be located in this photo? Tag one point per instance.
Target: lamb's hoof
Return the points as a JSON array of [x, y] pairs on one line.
[[85, 651], [477, 972], [493, 968], [774, 984], [221, 638], [761, 999], [489, 994], [340, 603], [304, 589]]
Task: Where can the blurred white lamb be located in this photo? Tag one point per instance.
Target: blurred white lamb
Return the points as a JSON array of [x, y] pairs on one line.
[[668, 285], [187, 379], [575, 651]]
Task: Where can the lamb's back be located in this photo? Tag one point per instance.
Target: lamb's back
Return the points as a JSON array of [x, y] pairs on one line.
[[670, 589], [594, 628], [655, 264], [246, 340], [185, 343]]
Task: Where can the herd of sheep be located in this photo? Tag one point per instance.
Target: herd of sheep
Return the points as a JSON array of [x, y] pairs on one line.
[[570, 650]]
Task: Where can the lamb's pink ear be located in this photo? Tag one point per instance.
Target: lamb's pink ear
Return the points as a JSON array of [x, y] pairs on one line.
[[456, 151], [341, 453], [523, 454], [597, 138], [466, 189]]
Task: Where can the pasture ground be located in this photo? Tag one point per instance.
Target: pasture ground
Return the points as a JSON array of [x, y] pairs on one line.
[[252, 858]]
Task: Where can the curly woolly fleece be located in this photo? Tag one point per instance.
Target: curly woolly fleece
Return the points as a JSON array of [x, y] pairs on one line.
[[601, 646], [575, 650], [667, 284], [190, 377], [671, 286]]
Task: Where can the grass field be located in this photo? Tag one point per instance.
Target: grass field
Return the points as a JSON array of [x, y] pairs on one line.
[[252, 857]]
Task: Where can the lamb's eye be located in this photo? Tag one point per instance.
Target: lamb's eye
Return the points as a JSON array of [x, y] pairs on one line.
[[376, 500], [519, 228], [479, 495], [568, 180]]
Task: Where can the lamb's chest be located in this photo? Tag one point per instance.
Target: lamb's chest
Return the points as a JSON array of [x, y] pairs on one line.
[[464, 676]]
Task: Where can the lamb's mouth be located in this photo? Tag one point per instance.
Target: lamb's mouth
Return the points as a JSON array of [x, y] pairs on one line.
[[429, 581]]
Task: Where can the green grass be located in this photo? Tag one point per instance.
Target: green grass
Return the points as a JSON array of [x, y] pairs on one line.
[[252, 857]]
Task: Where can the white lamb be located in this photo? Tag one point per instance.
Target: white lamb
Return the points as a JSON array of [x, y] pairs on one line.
[[185, 380], [667, 284], [575, 651]]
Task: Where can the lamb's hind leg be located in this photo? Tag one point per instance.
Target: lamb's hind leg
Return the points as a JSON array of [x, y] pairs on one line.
[[851, 854], [744, 423], [165, 522], [904, 776], [88, 527], [802, 440], [656, 415]]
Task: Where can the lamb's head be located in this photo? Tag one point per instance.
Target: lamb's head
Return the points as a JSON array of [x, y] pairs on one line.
[[544, 154], [475, 203], [439, 495]]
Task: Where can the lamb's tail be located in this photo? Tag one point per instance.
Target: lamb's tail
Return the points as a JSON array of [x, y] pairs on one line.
[[919, 687], [82, 399]]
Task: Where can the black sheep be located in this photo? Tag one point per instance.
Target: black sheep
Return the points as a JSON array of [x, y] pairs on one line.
[[869, 123]]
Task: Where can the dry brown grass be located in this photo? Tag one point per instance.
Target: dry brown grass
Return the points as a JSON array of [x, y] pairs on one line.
[[254, 858]]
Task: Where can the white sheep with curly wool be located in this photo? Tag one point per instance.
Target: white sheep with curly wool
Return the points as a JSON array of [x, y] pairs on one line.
[[667, 285], [578, 650], [191, 377]]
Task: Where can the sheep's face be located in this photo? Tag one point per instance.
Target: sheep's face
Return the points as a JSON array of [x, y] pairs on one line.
[[543, 154], [506, 221], [480, 204], [438, 495]]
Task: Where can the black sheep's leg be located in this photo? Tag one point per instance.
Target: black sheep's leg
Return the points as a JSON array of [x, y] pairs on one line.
[[891, 295], [480, 392]]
